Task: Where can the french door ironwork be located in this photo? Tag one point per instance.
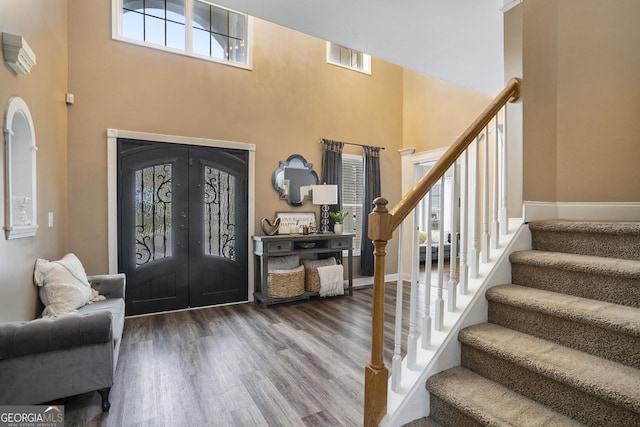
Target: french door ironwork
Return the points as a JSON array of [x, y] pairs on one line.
[[182, 225]]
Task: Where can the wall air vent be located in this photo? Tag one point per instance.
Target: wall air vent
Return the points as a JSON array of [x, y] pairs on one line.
[[17, 53]]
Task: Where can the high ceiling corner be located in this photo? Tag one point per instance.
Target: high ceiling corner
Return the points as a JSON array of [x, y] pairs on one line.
[[458, 41]]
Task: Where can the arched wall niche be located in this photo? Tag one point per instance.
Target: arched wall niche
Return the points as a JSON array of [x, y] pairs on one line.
[[20, 171]]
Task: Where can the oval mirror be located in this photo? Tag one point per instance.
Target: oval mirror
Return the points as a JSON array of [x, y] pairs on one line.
[[290, 178]]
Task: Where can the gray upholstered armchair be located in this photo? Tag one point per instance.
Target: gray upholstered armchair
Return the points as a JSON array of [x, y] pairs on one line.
[[50, 358]]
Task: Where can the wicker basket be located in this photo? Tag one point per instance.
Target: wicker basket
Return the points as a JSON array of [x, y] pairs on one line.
[[285, 283], [312, 278]]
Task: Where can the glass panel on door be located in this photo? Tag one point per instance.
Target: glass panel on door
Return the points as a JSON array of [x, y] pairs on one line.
[[219, 213], [153, 213]]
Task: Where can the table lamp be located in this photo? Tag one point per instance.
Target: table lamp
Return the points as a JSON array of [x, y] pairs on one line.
[[325, 195]]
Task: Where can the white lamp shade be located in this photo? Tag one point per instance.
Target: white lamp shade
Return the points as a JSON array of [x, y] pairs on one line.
[[325, 194]]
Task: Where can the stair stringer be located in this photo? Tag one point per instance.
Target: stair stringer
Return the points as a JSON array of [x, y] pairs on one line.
[[412, 402]]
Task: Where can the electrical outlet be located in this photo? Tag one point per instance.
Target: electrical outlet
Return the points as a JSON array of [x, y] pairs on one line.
[[50, 219]]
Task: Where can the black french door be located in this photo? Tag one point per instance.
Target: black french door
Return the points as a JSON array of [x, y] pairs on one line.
[[182, 225]]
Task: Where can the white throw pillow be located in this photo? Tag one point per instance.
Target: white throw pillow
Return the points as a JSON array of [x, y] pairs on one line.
[[287, 262], [315, 263], [64, 286]]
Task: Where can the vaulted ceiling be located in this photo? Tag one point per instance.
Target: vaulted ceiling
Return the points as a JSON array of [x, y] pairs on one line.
[[459, 41]]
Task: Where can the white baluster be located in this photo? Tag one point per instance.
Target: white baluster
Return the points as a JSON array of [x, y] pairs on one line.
[[396, 361], [504, 221], [439, 303], [495, 225], [474, 254], [415, 259], [453, 245], [426, 321], [485, 197], [414, 334], [464, 223]]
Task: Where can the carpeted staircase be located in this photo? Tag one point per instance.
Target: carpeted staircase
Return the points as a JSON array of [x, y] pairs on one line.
[[562, 346]]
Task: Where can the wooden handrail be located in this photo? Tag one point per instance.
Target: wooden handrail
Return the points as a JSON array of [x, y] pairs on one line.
[[382, 223], [510, 93]]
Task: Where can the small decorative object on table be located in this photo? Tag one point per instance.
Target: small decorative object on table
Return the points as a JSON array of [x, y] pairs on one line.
[[269, 229], [338, 218]]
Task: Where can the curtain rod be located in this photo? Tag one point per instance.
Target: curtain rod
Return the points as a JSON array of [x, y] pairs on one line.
[[353, 143]]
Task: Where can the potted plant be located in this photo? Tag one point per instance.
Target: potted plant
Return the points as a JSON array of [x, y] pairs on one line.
[[338, 218]]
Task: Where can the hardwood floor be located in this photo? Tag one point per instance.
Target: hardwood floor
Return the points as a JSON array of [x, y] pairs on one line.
[[296, 364]]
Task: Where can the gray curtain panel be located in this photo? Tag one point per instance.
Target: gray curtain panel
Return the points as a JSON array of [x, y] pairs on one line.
[[332, 170], [371, 156]]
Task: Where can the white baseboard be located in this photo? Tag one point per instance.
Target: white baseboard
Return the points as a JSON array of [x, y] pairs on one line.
[[587, 211], [367, 281]]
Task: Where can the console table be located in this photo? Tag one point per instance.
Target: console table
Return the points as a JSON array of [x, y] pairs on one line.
[[324, 245]]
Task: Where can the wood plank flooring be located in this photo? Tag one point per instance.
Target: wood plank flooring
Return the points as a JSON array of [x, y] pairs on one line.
[[296, 364]]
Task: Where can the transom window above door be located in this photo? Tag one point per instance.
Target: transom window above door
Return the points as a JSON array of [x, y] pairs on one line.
[[189, 27]]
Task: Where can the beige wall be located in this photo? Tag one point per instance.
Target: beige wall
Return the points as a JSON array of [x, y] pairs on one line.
[[290, 100], [436, 112], [581, 100], [44, 26], [580, 103]]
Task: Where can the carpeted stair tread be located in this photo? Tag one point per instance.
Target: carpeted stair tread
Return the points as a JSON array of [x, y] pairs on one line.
[[565, 334], [600, 328], [580, 263], [599, 313], [610, 239], [606, 279], [606, 227], [489, 403], [592, 375], [422, 422]]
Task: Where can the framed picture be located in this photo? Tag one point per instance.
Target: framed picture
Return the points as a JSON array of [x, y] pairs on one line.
[[290, 222]]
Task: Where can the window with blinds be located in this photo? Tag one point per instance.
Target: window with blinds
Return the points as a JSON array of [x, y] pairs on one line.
[[352, 193]]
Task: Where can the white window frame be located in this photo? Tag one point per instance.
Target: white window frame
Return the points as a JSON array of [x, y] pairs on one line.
[[357, 242], [366, 69], [116, 34]]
